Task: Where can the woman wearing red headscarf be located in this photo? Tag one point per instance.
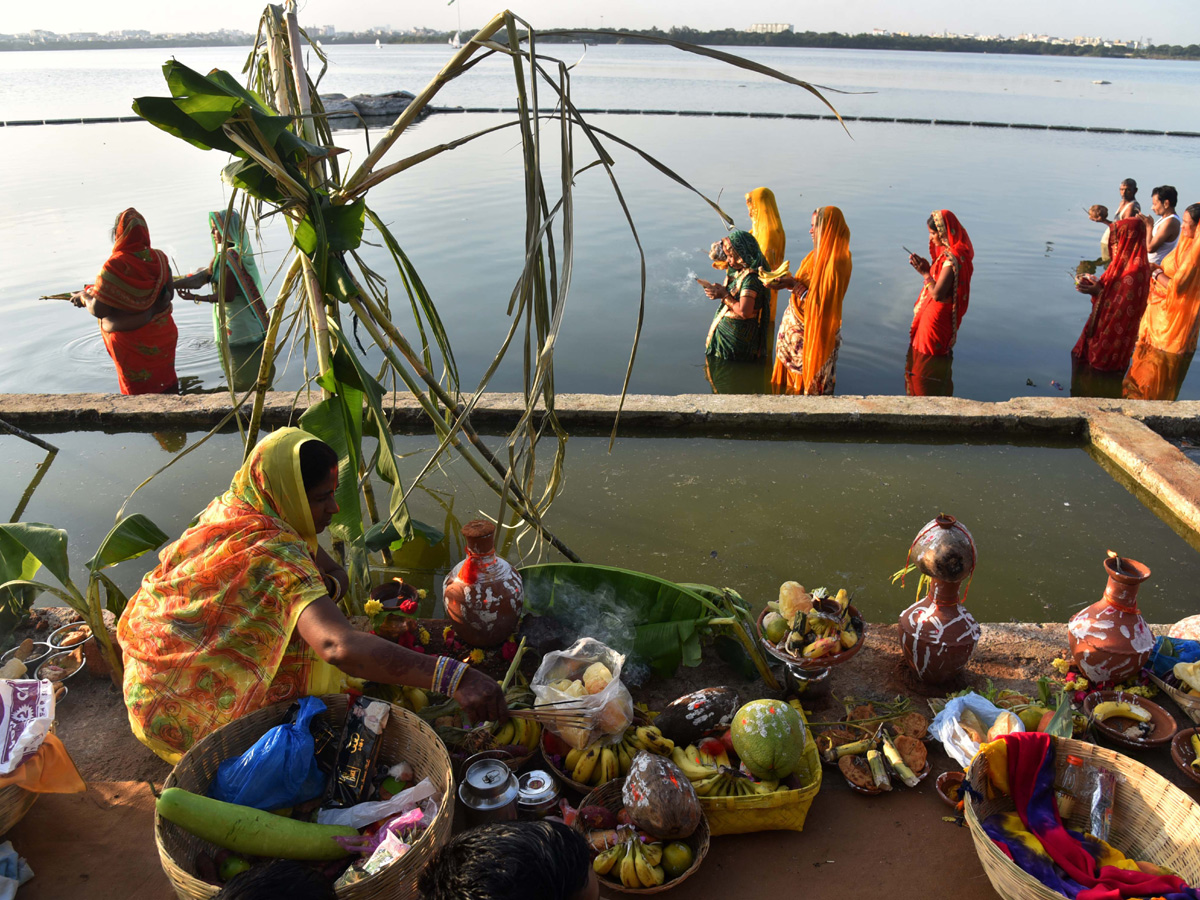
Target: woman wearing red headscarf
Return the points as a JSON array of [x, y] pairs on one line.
[[946, 290], [132, 299], [1118, 300]]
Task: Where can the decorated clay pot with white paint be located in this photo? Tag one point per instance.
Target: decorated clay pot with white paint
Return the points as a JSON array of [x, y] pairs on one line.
[[483, 593], [1110, 640], [937, 634]]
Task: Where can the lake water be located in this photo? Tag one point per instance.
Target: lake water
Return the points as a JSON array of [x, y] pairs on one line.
[[830, 512], [1019, 193]]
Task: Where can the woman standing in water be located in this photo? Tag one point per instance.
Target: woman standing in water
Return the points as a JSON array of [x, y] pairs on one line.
[[945, 294], [767, 229], [132, 299], [811, 331], [740, 327]]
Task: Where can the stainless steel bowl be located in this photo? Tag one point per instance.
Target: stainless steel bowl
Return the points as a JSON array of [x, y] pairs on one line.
[[40, 651], [51, 661], [55, 637]]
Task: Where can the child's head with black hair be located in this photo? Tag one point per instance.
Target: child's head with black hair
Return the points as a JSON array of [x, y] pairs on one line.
[[539, 860], [281, 879]]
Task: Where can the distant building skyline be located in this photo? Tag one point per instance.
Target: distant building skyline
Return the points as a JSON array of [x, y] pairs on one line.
[[1170, 21]]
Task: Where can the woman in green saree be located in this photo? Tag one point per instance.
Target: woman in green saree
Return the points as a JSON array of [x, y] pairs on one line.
[[740, 329]]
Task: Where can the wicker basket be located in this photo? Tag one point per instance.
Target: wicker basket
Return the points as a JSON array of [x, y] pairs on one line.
[[608, 795], [778, 811], [406, 737], [1152, 820], [14, 803], [1189, 704]]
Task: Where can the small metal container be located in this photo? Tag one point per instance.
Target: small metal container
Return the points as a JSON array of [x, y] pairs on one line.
[[538, 795], [489, 792]]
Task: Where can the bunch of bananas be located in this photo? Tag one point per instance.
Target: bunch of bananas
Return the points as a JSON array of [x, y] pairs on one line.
[[634, 863], [597, 763], [518, 732], [714, 776]]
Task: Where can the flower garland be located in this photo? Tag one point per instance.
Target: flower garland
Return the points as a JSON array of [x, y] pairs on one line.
[[1079, 686]]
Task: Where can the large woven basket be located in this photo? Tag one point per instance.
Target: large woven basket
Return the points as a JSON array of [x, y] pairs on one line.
[[609, 796], [406, 737], [14, 803], [1152, 820]]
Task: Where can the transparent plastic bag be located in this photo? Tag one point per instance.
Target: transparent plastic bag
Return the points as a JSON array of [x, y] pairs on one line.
[[611, 709], [280, 770], [947, 727]]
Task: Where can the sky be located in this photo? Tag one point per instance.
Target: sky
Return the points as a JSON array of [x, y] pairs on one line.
[[1163, 21]]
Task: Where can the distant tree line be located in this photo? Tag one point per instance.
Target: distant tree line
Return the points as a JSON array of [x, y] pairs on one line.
[[725, 37]]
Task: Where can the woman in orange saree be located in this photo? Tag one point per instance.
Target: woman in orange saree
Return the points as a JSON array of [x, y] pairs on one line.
[[767, 228], [1167, 337], [946, 288], [1118, 300], [240, 612], [811, 330], [132, 300]]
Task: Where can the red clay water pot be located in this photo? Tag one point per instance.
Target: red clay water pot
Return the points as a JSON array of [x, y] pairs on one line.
[[483, 593], [1110, 640], [937, 634]]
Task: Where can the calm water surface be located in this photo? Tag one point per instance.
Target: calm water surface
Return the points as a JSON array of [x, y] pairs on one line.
[[1020, 194], [821, 512]]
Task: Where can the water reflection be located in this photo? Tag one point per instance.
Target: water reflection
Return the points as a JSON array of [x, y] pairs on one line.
[[1089, 382], [928, 376], [729, 377], [1155, 374]]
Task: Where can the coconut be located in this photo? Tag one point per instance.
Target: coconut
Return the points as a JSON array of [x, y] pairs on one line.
[[696, 715], [659, 798]]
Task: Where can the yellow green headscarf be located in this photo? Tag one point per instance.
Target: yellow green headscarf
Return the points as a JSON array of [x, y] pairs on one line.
[[271, 482]]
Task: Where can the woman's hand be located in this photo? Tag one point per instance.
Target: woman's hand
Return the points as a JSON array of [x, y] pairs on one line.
[[919, 263], [782, 283], [713, 291], [1086, 284], [329, 568], [481, 698], [79, 299]]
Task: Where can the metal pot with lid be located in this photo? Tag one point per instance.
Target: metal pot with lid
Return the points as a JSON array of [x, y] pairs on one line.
[[489, 791], [538, 794]]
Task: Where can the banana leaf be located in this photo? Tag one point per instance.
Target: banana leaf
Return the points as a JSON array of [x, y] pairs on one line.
[[130, 538], [653, 621], [16, 564]]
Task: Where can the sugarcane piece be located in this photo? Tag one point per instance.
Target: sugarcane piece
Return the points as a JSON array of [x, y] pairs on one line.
[[853, 749], [878, 770], [896, 761]]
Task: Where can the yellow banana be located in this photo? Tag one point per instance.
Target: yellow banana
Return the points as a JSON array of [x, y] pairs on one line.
[[519, 727], [660, 874], [692, 771], [708, 786], [587, 764], [607, 770], [572, 760], [605, 861], [644, 875], [505, 734], [652, 739], [629, 868], [417, 698], [722, 759], [1196, 751], [533, 735], [653, 853], [842, 598], [1112, 709], [624, 760], [765, 787], [820, 647], [849, 638]]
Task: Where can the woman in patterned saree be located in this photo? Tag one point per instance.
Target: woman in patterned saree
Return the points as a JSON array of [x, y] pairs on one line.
[[739, 330], [241, 611], [132, 299], [1118, 300], [811, 330]]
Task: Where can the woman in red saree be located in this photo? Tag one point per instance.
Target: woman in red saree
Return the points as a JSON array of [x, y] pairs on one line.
[[132, 299], [1118, 300], [946, 289]]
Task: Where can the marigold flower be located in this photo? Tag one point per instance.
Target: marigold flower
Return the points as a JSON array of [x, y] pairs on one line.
[[373, 607], [1080, 684], [422, 593], [424, 635], [475, 657], [1062, 665], [448, 633]]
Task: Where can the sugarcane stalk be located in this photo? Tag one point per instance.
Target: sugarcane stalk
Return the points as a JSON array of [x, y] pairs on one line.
[[268, 354], [896, 761], [275, 51], [372, 507], [316, 304], [443, 430], [878, 770], [418, 103]]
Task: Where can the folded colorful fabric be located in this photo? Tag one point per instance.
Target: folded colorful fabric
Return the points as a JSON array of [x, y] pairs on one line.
[[48, 771], [1078, 866]]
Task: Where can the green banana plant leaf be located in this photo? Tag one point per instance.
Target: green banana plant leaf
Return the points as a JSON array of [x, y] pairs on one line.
[[343, 227], [130, 538], [653, 621], [47, 544], [16, 564]]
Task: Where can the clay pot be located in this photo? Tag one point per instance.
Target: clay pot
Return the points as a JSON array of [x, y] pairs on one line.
[[1110, 640], [937, 634], [482, 594]]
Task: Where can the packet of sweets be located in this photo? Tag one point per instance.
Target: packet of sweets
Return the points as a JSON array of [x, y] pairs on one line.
[[362, 739]]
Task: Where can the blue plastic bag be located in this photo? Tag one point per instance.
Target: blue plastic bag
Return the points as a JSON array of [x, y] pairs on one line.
[[280, 770], [1168, 651]]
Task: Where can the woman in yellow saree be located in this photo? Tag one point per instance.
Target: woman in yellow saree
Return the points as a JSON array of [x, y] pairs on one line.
[[767, 228], [811, 330], [240, 612]]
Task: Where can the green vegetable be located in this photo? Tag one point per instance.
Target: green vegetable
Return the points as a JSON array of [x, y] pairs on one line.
[[248, 831], [233, 865]]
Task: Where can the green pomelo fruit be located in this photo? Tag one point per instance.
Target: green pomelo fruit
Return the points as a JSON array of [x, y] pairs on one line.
[[1031, 717], [768, 737], [775, 627], [676, 859]]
